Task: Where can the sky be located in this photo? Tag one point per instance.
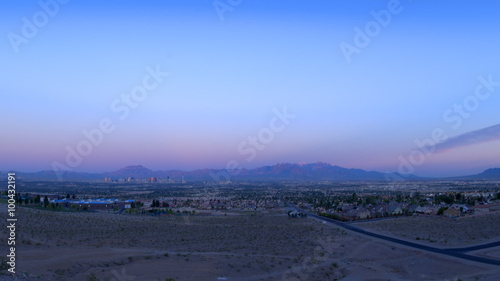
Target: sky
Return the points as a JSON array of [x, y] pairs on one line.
[[408, 86]]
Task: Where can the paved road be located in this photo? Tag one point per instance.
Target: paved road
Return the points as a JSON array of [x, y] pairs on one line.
[[475, 248], [454, 252]]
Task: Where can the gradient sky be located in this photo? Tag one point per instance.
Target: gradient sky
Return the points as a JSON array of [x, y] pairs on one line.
[[227, 75]]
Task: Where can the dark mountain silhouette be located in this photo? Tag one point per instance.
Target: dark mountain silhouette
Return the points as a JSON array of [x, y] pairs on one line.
[[489, 174], [281, 171], [313, 171], [139, 172]]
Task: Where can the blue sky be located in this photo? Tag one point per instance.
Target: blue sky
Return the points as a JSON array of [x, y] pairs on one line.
[[227, 75]]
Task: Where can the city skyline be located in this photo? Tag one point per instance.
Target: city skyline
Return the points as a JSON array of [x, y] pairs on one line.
[[190, 85]]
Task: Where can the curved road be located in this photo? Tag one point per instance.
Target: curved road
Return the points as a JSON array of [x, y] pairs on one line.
[[475, 248], [454, 252]]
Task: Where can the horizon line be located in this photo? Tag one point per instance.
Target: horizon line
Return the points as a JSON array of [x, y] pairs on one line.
[[241, 168]]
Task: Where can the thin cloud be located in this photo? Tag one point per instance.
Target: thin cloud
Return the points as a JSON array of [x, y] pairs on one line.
[[474, 137]]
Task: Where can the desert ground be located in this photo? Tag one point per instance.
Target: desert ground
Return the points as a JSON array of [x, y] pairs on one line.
[[440, 231], [261, 245]]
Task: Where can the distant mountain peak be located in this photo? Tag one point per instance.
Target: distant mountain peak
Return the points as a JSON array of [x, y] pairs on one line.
[[132, 171], [279, 171], [492, 170], [488, 174], [134, 167]]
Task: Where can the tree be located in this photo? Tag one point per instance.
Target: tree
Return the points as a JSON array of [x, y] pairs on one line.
[[441, 210], [417, 195], [471, 201], [354, 197], [399, 197], [155, 203], [45, 202], [37, 199]]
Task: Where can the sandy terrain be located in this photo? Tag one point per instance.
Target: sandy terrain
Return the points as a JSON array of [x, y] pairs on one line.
[[440, 231], [247, 246], [492, 253]]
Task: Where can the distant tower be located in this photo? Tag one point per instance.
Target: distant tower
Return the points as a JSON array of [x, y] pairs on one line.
[[183, 181]]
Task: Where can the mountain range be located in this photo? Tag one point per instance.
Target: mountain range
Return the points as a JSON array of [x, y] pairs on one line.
[[282, 171]]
